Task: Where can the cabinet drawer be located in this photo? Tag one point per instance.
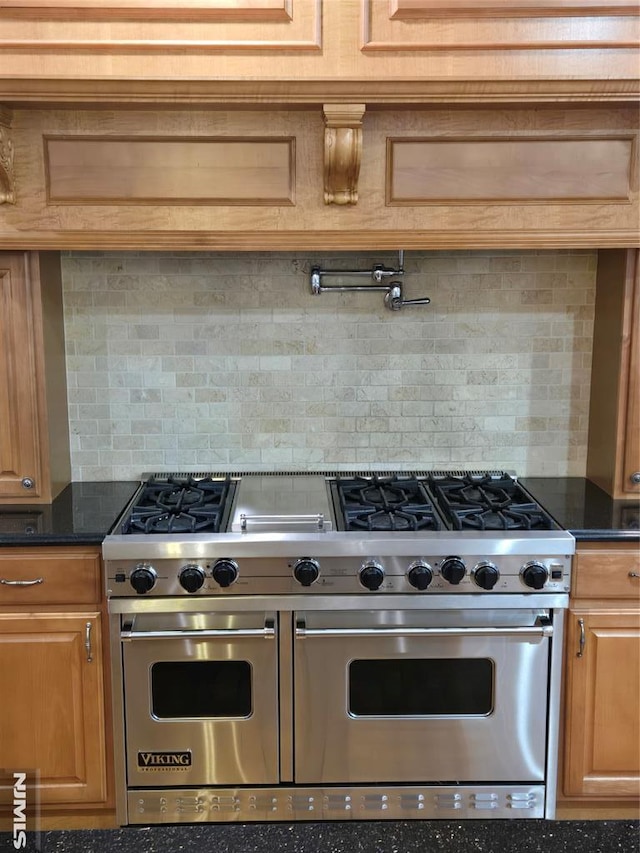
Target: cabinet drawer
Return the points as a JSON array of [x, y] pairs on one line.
[[605, 571], [63, 576]]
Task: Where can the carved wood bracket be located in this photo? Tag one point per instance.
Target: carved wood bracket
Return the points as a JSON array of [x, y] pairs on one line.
[[342, 152], [7, 178]]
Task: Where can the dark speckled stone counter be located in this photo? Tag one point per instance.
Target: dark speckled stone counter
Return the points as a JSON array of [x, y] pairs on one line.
[[585, 510], [517, 836], [85, 512], [82, 514]]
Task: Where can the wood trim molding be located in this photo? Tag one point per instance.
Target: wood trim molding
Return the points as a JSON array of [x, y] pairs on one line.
[[7, 175], [155, 45], [342, 152], [407, 10], [263, 93], [333, 240], [246, 11]]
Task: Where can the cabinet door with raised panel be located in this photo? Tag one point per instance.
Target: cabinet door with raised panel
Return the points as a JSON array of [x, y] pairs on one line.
[[52, 708], [602, 722], [20, 472], [630, 473], [613, 458]]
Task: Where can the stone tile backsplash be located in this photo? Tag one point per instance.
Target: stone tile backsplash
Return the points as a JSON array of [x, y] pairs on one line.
[[218, 361]]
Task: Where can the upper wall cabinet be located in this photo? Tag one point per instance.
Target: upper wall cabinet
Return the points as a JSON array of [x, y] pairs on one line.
[[341, 178], [312, 50]]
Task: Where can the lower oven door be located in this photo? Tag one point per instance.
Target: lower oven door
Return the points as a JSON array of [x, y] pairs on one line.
[[200, 699], [398, 696]]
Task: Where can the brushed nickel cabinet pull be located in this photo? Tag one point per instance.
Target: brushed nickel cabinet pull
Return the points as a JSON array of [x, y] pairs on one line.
[[583, 638], [21, 583], [87, 642]]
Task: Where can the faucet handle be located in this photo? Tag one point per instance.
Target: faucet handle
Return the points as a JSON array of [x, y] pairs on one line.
[[394, 301]]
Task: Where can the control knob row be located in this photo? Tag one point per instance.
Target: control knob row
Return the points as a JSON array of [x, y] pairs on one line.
[[191, 577], [485, 575]]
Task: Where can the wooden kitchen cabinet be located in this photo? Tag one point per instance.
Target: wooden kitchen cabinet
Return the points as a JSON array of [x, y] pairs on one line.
[[34, 431], [53, 714], [602, 675], [613, 461], [316, 45]]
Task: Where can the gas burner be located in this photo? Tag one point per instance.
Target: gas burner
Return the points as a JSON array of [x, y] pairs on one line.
[[476, 502], [385, 503], [179, 505]]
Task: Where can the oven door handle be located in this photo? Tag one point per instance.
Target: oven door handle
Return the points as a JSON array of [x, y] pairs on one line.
[[268, 633], [534, 633]]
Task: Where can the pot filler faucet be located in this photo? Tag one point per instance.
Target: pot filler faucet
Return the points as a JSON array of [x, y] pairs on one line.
[[393, 296]]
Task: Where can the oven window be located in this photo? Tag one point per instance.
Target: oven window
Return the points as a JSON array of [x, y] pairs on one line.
[[201, 689], [421, 687]]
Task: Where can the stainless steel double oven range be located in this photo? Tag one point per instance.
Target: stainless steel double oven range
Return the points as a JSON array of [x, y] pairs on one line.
[[336, 646]]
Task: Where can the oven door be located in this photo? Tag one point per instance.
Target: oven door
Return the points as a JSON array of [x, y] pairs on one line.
[[400, 696], [200, 699]]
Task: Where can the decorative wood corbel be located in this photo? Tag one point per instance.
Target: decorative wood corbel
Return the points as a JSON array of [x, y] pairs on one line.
[[342, 152], [7, 178]]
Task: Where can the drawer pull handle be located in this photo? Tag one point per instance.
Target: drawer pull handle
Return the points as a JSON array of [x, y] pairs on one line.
[[634, 575], [583, 638], [87, 642], [21, 583]]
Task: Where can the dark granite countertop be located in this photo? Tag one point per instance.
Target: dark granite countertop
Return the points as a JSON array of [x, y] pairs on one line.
[[428, 836], [82, 514], [585, 510]]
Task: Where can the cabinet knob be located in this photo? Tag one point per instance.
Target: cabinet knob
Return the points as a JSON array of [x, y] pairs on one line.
[[28, 483], [635, 478]]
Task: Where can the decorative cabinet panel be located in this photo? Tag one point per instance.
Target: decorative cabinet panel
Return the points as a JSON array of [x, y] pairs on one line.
[[338, 178], [34, 433], [602, 678], [613, 461]]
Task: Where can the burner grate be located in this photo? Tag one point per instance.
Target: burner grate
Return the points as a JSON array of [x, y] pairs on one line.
[[489, 501], [379, 502], [175, 504]]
